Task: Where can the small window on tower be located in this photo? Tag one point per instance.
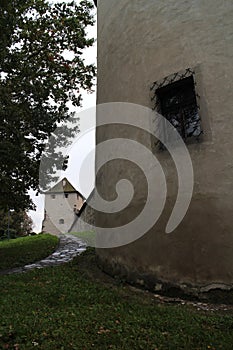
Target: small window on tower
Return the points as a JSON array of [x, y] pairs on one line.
[[66, 195], [177, 103], [61, 221], [53, 196]]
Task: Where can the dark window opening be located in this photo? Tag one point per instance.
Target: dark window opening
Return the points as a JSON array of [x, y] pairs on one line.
[[61, 221], [53, 196], [66, 195], [178, 104]]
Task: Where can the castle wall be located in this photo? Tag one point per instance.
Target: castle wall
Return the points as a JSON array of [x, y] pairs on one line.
[[140, 42]]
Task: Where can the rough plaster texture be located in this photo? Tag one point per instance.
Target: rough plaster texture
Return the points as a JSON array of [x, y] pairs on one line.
[[140, 42]]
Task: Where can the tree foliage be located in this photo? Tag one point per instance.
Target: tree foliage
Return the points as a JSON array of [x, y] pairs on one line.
[[37, 80], [18, 223]]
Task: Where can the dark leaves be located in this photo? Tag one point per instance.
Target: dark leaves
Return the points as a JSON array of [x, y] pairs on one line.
[[36, 82]]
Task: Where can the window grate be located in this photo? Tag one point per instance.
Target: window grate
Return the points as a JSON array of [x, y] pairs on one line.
[[176, 99]]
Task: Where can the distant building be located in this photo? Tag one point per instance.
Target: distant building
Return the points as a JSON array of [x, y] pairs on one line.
[[62, 204]]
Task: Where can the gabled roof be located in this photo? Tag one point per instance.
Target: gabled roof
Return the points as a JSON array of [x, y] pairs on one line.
[[63, 186]]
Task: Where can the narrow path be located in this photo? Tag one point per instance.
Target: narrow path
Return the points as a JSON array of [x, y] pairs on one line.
[[69, 247]]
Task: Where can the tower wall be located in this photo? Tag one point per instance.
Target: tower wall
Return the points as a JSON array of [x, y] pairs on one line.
[[140, 42]]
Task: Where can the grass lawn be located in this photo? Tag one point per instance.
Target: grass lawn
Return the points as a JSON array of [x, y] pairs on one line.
[[21, 251], [86, 236], [75, 306]]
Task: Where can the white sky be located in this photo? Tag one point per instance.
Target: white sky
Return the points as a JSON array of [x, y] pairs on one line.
[[85, 143]]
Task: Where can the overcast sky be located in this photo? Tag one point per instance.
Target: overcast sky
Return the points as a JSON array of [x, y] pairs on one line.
[[81, 153]]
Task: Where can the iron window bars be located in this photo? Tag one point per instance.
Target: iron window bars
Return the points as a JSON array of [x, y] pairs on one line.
[[176, 99]]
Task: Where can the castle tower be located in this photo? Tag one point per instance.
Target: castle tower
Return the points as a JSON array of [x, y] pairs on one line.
[[174, 57], [62, 203]]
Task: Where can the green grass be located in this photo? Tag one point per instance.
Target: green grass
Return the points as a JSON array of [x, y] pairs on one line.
[[75, 306], [21, 251], [86, 236]]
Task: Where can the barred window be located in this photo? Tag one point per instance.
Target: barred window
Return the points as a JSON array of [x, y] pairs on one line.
[[178, 105], [176, 98]]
